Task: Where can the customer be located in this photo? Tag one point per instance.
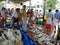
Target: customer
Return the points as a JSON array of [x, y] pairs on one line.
[[28, 13], [12, 10], [9, 12], [31, 17], [15, 16], [57, 20], [24, 16], [3, 11], [1, 20], [49, 16], [57, 14], [19, 19]]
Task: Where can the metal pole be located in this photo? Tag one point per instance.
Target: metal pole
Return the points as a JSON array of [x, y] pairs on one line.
[[44, 8], [29, 4]]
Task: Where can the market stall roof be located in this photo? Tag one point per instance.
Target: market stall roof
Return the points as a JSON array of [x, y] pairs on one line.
[[18, 1], [15, 1]]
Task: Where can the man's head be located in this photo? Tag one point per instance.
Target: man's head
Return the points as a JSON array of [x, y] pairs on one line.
[[24, 7], [17, 9], [49, 10], [8, 9], [3, 8], [40, 10], [56, 10]]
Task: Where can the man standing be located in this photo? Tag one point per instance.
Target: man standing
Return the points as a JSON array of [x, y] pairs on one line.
[[3, 11], [24, 16], [15, 16], [57, 23], [49, 16], [57, 14]]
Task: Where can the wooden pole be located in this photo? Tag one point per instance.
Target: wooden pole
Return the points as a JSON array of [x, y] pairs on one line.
[[29, 4], [44, 11]]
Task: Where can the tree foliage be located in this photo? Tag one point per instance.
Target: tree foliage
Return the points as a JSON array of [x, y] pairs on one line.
[[51, 4], [2, 4]]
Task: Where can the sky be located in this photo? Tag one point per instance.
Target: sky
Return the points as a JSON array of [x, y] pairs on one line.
[[33, 2], [58, 0]]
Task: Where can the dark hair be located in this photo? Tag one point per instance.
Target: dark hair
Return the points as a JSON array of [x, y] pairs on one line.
[[17, 9], [3, 8], [49, 10], [56, 10], [0, 13], [24, 6], [21, 3]]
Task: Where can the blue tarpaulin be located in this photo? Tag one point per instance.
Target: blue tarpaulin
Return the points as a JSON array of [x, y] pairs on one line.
[[5, 27], [27, 40]]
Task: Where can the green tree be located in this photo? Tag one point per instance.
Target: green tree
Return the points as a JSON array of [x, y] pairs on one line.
[[2, 4], [51, 4]]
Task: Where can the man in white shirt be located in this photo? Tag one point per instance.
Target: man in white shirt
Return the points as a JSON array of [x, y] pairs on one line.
[[3, 11], [15, 16]]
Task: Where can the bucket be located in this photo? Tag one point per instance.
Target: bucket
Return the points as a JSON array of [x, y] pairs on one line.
[[39, 21]]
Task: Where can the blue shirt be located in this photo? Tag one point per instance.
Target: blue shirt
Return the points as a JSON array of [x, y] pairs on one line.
[[57, 15], [49, 14]]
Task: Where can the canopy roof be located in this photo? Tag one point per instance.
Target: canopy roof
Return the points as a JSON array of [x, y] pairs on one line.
[[15, 1]]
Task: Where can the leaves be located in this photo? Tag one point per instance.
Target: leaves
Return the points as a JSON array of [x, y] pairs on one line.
[[51, 4], [2, 4]]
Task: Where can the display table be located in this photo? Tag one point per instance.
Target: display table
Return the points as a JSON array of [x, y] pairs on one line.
[[40, 37], [10, 37]]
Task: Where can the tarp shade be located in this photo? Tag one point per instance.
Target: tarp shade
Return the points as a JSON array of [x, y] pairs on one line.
[[15, 1]]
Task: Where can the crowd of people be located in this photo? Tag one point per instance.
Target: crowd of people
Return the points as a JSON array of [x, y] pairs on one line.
[[23, 17], [53, 16], [19, 16]]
